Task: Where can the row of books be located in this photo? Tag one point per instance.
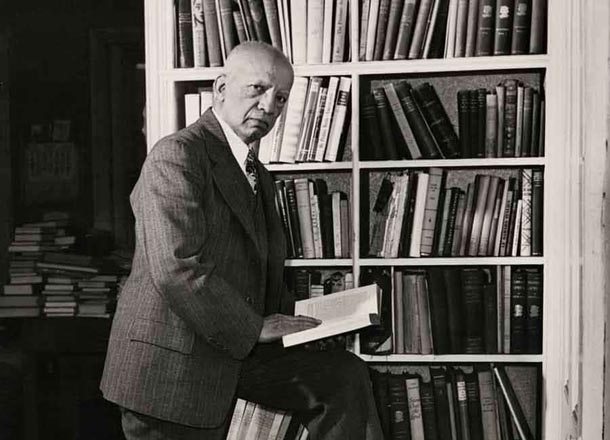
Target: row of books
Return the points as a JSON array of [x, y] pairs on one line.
[[459, 402], [417, 214], [311, 283], [316, 221], [312, 125], [401, 121], [254, 421], [311, 32], [412, 29], [457, 310], [505, 122]]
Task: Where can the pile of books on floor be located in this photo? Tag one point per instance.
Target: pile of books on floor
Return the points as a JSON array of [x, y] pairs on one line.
[[47, 277], [253, 421]]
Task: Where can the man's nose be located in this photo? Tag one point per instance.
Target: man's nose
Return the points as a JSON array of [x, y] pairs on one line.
[[267, 102]]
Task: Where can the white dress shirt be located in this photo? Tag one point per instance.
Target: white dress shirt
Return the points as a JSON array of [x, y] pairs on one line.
[[238, 147]]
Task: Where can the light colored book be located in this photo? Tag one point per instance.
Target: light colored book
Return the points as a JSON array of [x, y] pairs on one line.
[[298, 21], [191, 108], [471, 27], [506, 289], [327, 31], [301, 188], [418, 214], [525, 246], [489, 411], [435, 183], [488, 215], [451, 25], [517, 230], [316, 223], [309, 113], [339, 312], [315, 31], [364, 22], [501, 220], [411, 317], [206, 99], [327, 116], [199, 45], [336, 207], [338, 121], [340, 31], [415, 409], [481, 188], [425, 324], [294, 117], [461, 23], [371, 30], [401, 120]]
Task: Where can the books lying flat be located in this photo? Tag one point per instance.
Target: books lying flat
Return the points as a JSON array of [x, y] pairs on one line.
[[339, 312]]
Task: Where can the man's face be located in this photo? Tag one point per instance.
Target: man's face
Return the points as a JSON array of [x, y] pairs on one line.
[[253, 95]]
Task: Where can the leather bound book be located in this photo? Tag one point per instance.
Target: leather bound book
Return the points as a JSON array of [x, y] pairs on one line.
[[520, 38], [503, 27], [485, 31]]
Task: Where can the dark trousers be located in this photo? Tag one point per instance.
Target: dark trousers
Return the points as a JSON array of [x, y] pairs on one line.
[[329, 391]]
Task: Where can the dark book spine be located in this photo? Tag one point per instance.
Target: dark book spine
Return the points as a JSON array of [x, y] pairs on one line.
[[503, 26], [463, 101], [294, 217], [438, 223], [185, 34], [513, 217], [473, 312], [518, 313], [453, 288], [473, 398], [377, 339], [481, 121], [229, 33], [385, 123], [260, 23], [248, 22], [389, 46], [326, 217], [510, 118], [537, 208], [212, 33], [407, 223], [381, 394], [535, 150], [462, 405], [405, 30], [437, 46], [399, 407], [537, 43], [520, 39], [428, 409], [421, 132], [534, 310], [282, 205], [301, 284], [382, 25], [473, 118], [449, 234], [485, 32], [439, 312], [441, 400], [437, 119], [370, 143], [526, 134], [490, 318], [271, 12]]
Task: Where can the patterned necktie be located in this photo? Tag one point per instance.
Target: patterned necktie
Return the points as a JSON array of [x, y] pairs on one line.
[[251, 170]]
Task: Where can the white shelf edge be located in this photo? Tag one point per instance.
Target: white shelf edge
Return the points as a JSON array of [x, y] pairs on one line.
[[454, 358], [452, 261], [403, 67], [326, 262], [454, 163], [309, 166]]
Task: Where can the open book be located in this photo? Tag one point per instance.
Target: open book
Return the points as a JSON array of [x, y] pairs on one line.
[[339, 312]]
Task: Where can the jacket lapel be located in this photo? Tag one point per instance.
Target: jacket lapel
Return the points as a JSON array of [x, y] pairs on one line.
[[227, 175]]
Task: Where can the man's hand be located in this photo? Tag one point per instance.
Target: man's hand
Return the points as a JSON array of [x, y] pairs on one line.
[[277, 325]]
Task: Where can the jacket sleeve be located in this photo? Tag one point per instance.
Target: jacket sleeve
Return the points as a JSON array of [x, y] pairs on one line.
[[173, 222]]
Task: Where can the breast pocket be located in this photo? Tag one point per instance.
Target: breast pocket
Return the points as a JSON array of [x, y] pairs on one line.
[[160, 334]]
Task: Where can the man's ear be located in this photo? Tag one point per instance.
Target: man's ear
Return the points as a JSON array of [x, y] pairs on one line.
[[220, 85]]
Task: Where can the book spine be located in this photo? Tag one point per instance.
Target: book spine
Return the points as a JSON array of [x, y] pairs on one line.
[[308, 116], [451, 220], [391, 37], [526, 133], [535, 147], [437, 119], [315, 222], [481, 190], [495, 221], [472, 291], [315, 31], [521, 27], [418, 214], [481, 103], [371, 30], [228, 26], [341, 31], [185, 34], [336, 208], [461, 28], [273, 22], [441, 399], [453, 286], [382, 25], [329, 107], [435, 184], [518, 316], [212, 33], [537, 43], [519, 122], [512, 402], [240, 27], [370, 144], [415, 410], [534, 311], [199, 47], [293, 212], [428, 409], [338, 121], [468, 218], [405, 30], [257, 10], [463, 104], [438, 311], [441, 241], [294, 117], [491, 125], [459, 224], [503, 27], [488, 215], [298, 21], [462, 406], [419, 30], [399, 407], [485, 32], [516, 235], [525, 248], [472, 27], [510, 118], [537, 209], [326, 214], [489, 417], [401, 119], [316, 125], [474, 406], [364, 22]]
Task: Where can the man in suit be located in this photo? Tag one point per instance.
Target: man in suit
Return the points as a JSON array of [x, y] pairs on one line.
[[200, 318]]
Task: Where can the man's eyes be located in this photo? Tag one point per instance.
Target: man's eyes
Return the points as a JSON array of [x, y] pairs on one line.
[[257, 88]]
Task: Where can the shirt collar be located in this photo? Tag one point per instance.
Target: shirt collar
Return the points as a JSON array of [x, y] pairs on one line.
[[238, 147]]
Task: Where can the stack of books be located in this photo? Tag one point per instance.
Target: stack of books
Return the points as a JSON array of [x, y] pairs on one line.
[[417, 214], [412, 29], [311, 32], [254, 421]]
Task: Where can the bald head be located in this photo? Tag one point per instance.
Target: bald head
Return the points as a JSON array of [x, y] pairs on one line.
[[253, 89]]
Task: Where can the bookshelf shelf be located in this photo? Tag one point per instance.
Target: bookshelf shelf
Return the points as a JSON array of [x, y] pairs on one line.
[[455, 358], [474, 64], [453, 163], [309, 166], [314, 262], [458, 261]]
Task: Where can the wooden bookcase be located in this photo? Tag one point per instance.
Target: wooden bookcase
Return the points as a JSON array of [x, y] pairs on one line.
[[166, 84]]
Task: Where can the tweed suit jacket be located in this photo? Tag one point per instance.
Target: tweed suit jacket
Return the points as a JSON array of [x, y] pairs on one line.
[[201, 282]]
